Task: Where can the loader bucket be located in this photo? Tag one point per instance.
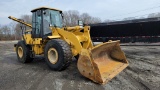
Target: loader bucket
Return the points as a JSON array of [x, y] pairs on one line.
[[103, 62]]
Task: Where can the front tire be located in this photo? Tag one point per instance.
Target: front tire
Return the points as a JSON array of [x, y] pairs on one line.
[[57, 54], [23, 52]]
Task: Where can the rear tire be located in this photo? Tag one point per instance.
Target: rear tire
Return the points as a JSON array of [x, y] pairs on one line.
[[58, 54], [23, 52]]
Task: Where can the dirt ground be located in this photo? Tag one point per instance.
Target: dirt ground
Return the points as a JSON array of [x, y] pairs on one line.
[[143, 72]]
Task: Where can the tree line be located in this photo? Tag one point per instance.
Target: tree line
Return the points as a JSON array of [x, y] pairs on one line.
[[12, 31], [71, 18]]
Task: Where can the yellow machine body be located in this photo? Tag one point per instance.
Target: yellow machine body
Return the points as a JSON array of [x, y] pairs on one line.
[[99, 63]]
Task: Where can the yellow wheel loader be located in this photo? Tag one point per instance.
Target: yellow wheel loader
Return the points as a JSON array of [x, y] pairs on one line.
[[59, 44]]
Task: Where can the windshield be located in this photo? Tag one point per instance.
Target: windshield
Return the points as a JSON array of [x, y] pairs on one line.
[[55, 18]]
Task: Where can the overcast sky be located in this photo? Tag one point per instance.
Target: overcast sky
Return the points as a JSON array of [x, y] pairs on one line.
[[104, 9]]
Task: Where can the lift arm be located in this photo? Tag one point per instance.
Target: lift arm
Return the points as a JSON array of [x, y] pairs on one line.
[[20, 21]]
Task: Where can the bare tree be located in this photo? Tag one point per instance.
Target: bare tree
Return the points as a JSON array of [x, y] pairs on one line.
[[158, 15], [71, 18], [151, 15], [141, 17], [1, 34], [5, 32], [108, 20], [18, 31], [87, 19], [129, 18]]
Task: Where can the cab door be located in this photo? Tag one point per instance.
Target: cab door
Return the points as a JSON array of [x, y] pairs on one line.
[[37, 31], [46, 23]]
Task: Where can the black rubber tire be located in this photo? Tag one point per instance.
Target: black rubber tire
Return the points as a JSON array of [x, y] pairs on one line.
[[64, 54], [77, 56], [26, 52]]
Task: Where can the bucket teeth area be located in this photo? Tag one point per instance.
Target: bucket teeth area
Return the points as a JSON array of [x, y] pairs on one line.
[[103, 62]]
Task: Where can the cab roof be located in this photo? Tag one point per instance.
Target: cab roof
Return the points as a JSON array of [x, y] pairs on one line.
[[46, 8]]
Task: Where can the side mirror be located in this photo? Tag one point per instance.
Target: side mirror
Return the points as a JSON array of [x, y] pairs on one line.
[[44, 12], [80, 23], [50, 25], [62, 15]]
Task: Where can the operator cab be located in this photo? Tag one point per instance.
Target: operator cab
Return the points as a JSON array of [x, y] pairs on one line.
[[42, 19]]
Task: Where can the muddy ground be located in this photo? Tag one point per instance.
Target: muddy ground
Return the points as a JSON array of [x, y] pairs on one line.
[[143, 72]]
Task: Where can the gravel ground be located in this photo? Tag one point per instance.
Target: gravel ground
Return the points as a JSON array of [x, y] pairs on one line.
[[143, 73]]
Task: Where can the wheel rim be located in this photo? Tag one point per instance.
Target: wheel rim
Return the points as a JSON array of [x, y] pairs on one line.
[[53, 55], [20, 52]]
